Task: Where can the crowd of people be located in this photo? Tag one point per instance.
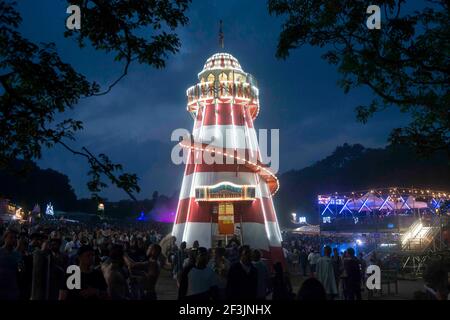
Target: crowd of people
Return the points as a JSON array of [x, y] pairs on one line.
[[342, 273], [125, 263], [116, 262], [227, 272]]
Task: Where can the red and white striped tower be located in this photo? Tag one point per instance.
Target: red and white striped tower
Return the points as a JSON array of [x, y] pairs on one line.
[[232, 197]]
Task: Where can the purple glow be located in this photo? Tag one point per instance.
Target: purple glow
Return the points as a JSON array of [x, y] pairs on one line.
[[162, 216]]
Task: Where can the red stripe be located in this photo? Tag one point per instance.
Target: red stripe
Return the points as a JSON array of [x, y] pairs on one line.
[[216, 168], [197, 212], [202, 211], [254, 212], [223, 115]]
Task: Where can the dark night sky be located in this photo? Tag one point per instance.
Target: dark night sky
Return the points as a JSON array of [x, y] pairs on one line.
[[133, 123]]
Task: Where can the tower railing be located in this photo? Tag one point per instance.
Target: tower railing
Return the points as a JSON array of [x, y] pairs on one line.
[[222, 89]]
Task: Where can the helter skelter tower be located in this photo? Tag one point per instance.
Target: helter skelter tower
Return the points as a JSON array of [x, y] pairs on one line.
[[232, 198]]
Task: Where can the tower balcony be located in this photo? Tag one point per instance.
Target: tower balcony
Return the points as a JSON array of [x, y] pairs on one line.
[[225, 90]]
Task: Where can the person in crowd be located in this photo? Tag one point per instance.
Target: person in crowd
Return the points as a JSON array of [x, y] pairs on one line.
[[337, 267], [25, 267], [312, 290], [36, 242], [140, 254], [182, 282], [49, 270], [281, 284], [92, 281], [72, 247], [313, 257], [263, 275], [202, 280], [10, 260], [116, 274], [353, 276], [242, 278], [303, 261], [325, 274], [180, 257], [363, 266], [221, 266], [233, 252], [195, 245], [151, 268], [171, 253]]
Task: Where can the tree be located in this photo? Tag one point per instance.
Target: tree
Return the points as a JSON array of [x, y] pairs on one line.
[[37, 186], [406, 63], [37, 85]]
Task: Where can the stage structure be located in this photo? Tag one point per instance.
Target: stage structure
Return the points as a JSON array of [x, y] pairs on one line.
[[389, 209], [415, 217], [231, 199]]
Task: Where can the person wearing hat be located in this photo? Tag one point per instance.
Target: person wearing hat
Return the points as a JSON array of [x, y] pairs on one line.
[[93, 284]]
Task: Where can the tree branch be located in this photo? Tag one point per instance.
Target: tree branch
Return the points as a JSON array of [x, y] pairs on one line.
[[88, 155]]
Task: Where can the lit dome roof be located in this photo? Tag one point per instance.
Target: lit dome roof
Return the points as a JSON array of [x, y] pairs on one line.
[[222, 61]]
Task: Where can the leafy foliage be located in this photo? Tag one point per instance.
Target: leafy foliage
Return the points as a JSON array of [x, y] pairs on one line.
[[37, 85], [406, 63]]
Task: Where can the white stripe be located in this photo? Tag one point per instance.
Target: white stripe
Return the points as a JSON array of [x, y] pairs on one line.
[[199, 231], [254, 235], [251, 233], [225, 136], [177, 231], [274, 239], [212, 178]]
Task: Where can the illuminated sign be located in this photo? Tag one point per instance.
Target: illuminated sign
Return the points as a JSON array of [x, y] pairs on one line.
[[49, 210], [326, 220], [225, 192], [302, 220], [323, 200], [330, 200]]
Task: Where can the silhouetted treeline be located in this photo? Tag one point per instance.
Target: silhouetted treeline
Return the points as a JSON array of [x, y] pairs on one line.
[[28, 184]]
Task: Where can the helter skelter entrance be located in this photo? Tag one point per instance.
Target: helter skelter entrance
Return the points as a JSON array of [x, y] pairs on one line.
[[226, 203]]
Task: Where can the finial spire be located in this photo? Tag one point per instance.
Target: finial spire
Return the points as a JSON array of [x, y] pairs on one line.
[[221, 37]]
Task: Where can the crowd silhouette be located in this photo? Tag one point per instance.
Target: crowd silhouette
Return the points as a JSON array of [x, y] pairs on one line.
[[125, 262]]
